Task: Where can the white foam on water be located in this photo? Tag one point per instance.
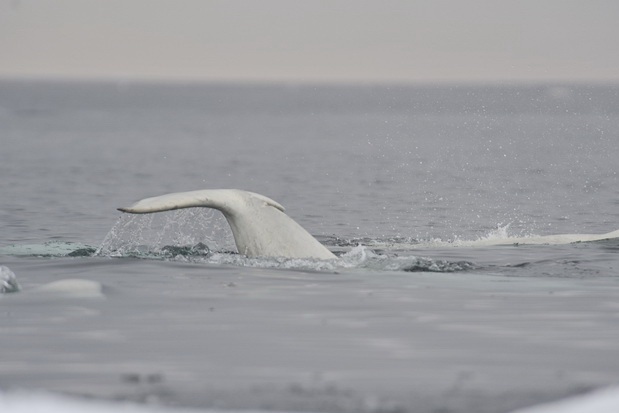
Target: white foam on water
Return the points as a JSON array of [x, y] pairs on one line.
[[25, 402], [600, 401], [42, 402]]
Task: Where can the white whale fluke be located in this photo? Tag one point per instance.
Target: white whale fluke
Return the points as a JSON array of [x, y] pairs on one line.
[[259, 225]]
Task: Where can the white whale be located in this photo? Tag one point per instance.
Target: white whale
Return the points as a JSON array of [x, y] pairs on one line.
[[492, 241], [262, 229], [548, 239], [259, 225]]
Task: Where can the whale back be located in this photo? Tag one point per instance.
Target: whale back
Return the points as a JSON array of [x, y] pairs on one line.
[[565, 238], [259, 225]]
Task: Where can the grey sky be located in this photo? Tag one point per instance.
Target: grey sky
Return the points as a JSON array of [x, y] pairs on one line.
[[312, 40]]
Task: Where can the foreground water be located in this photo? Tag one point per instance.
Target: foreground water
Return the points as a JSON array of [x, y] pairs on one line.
[[421, 191]]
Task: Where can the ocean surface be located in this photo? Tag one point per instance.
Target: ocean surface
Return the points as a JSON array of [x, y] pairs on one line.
[[427, 194]]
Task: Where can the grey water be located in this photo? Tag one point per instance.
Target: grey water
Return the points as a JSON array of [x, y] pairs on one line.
[[400, 181]]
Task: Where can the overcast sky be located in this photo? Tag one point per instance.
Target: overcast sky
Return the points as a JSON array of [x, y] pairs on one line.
[[312, 40]]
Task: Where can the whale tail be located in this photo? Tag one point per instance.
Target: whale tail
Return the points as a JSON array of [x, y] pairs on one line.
[[219, 199], [259, 225]]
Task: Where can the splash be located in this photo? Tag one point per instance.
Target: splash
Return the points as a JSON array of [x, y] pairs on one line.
[[497, 236], [186, 232], [142, 238], [363, 257], [308, 264], [359, 257], [203, 236]]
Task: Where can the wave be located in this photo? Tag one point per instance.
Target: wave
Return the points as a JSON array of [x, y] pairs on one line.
[[49, 249], [358, 257], [496, 237], [200, 236], [29, 402]]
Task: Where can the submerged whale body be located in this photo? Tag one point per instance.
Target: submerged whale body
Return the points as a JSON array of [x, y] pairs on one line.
[[259, 225]]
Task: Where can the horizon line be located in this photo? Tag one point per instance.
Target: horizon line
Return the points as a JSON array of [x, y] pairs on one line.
[[176, 80]]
